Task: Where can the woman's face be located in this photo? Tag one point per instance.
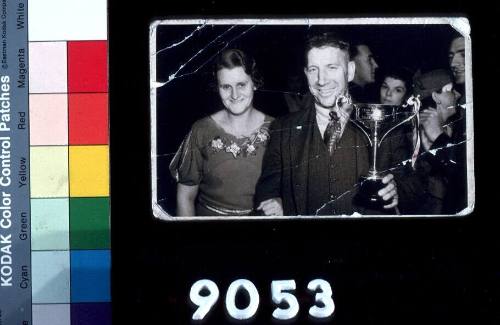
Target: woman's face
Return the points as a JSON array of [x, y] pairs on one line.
[[235, 89], [392, 91], [446, 101]]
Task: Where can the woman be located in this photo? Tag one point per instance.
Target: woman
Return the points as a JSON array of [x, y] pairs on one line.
[[396, 87], [442, 134], [218, 164]]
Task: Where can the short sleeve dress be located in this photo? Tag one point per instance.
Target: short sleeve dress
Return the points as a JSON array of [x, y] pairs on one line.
[[226, 168]]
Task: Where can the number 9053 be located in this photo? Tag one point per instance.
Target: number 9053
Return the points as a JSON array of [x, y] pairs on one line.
[[205, 293]]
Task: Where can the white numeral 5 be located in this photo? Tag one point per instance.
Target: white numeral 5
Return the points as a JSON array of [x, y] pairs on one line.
[[279, 296]]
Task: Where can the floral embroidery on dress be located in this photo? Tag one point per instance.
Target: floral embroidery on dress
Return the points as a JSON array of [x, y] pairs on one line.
[[262, 135], [251, 148], [234, 149], [217, 144], [248, 147]]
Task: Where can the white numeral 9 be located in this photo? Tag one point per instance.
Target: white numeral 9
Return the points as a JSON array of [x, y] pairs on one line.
[[323, 297], [277, 288], [251, 309], [204, 303]]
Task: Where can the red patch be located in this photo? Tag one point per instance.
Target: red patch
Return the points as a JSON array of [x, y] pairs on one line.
[[88, 118]]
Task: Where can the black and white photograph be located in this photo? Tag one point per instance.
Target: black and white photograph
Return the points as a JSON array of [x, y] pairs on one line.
[[321, 118]]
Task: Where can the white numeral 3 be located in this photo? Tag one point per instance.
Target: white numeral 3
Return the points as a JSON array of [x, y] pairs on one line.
[[323, 297]]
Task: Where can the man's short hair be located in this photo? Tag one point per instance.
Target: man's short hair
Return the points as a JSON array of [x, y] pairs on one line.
[[355, 43], [454, 35], [326, 39]]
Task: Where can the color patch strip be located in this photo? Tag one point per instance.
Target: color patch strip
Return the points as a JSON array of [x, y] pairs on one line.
[[70, 162], [89, 182], [15, 251]]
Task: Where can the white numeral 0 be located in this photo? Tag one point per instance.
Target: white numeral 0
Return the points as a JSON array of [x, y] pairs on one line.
[[277, 288], [251, 309], [324, 297], [204, 303]]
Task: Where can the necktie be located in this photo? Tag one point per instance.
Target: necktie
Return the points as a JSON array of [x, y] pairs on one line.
[[332, 132]]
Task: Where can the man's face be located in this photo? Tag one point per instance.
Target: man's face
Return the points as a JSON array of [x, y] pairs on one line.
[[365, 66], [328, 71], [456, 56], [446, 100]]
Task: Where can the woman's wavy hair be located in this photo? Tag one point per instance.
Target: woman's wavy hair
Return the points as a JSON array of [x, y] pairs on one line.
[[232, 58], [400, 73]]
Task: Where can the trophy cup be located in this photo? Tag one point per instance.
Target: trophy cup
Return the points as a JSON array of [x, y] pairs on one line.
[[377, 121]]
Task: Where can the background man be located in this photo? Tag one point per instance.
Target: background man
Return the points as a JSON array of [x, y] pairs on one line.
[[361, 87], [456, 56]]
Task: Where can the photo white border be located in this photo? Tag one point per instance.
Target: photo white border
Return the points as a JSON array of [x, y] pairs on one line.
[[460, 24]]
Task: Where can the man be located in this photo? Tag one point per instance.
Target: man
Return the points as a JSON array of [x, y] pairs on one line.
[[303, 175], [364, 76], [442, 162], [456, 57], [443, 132]]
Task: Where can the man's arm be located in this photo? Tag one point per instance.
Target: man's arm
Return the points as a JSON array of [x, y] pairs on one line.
[[268, 190], [448, 158], [409, 186]]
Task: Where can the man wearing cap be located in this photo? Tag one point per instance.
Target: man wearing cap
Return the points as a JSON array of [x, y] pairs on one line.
[[315, 156], [443, 162]]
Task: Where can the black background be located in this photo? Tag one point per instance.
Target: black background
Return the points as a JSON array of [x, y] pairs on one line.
[[382, 271]]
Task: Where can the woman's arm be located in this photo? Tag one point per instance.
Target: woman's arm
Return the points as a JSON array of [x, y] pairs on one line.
[[186, 196]]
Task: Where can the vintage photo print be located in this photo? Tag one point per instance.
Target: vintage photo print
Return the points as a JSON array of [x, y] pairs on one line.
[[311, 118]]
